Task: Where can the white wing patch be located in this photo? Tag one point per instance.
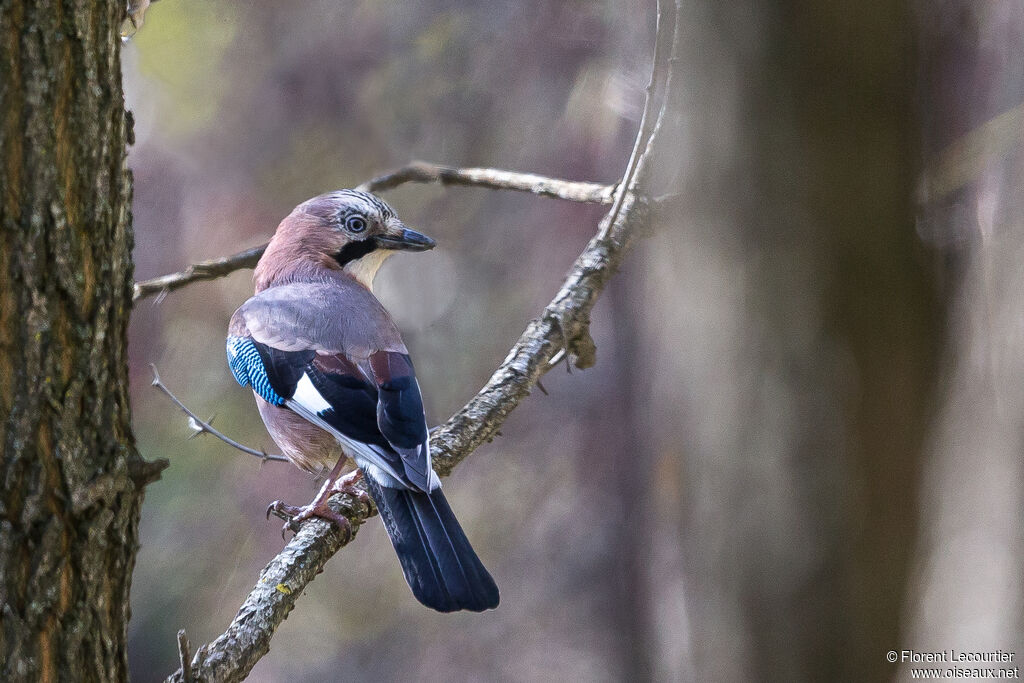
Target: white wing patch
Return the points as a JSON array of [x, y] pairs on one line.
[[381, 471], [308, 397], [310, 403]]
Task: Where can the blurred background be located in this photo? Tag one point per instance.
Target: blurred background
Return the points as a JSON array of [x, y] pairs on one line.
[[800, 446]]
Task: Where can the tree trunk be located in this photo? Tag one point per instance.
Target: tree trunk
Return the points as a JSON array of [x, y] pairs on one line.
[[810, 392], [72, 480]]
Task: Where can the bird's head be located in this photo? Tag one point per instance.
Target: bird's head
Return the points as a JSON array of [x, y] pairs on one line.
[[348, 230]]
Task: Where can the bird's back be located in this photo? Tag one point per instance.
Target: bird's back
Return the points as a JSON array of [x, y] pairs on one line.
[[327, 311]]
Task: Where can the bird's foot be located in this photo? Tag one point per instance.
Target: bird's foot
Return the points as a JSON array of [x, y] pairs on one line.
[[294, 515], [350, 484]]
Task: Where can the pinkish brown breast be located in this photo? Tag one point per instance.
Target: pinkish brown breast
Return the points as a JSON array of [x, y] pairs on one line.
[[302, 442]]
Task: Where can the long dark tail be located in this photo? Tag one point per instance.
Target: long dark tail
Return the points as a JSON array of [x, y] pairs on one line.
[[439, 563]]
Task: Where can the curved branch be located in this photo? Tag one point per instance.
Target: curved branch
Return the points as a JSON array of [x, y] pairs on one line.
[[664, 42], [562, 328], [415, 172]]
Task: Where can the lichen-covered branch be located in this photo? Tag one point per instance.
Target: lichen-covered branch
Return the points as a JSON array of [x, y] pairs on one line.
[[233, 654], [562, 329], [416, 172]]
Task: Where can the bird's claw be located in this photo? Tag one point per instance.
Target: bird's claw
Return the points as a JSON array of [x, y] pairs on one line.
[[291, 515], [294, 516], [282, 510]]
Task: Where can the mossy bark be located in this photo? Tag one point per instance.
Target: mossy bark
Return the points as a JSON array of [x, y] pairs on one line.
[[72, 480]]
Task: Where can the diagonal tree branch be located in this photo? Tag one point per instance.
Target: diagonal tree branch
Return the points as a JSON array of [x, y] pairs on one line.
[[415, 172], [563, 327]]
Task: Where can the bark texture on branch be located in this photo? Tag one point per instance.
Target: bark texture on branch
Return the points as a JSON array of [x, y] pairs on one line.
[[561, 331], [494, 179], [73, 481], [415, 172]]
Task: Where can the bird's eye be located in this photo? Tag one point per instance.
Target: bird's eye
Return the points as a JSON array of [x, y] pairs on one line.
[[355, 224]]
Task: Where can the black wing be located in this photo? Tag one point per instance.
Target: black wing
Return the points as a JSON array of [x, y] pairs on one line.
[[383, 412]]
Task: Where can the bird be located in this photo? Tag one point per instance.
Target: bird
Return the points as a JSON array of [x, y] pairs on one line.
[[333, 380]]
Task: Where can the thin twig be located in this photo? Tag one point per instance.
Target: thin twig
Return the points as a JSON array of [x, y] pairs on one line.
[[659, 74], [415, 172], [200, 426], [204, 270], [233, 654], [672, 27]]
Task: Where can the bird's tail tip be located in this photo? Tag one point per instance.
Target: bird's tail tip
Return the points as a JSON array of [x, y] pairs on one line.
[[440, 565]]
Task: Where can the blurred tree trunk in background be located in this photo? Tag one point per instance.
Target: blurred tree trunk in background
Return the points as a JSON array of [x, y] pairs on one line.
[[971, 583], [72, 480], [811, 388], [614, 464]]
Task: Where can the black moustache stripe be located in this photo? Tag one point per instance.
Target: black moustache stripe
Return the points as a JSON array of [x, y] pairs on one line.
[[354, 250]]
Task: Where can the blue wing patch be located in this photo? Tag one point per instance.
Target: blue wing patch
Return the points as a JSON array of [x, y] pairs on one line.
[[247, 366]]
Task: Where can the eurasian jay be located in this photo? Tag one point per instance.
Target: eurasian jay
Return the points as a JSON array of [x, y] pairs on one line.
[[332, 379]]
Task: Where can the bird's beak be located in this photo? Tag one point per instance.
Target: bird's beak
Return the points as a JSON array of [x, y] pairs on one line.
[[406, 240]]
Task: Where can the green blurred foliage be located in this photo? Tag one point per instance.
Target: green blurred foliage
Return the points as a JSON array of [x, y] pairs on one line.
[[191, 42]]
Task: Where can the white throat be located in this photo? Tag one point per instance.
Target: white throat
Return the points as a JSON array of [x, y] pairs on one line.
[[364, 269]]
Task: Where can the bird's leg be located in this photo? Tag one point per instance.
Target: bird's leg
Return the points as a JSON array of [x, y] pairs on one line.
[[295, 515], [350, 484]]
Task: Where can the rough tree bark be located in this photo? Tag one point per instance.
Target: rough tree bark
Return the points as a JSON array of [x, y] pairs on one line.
[[72, 479]]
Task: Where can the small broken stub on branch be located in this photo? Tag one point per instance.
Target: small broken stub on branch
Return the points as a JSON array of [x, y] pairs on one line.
[[583, 351]]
